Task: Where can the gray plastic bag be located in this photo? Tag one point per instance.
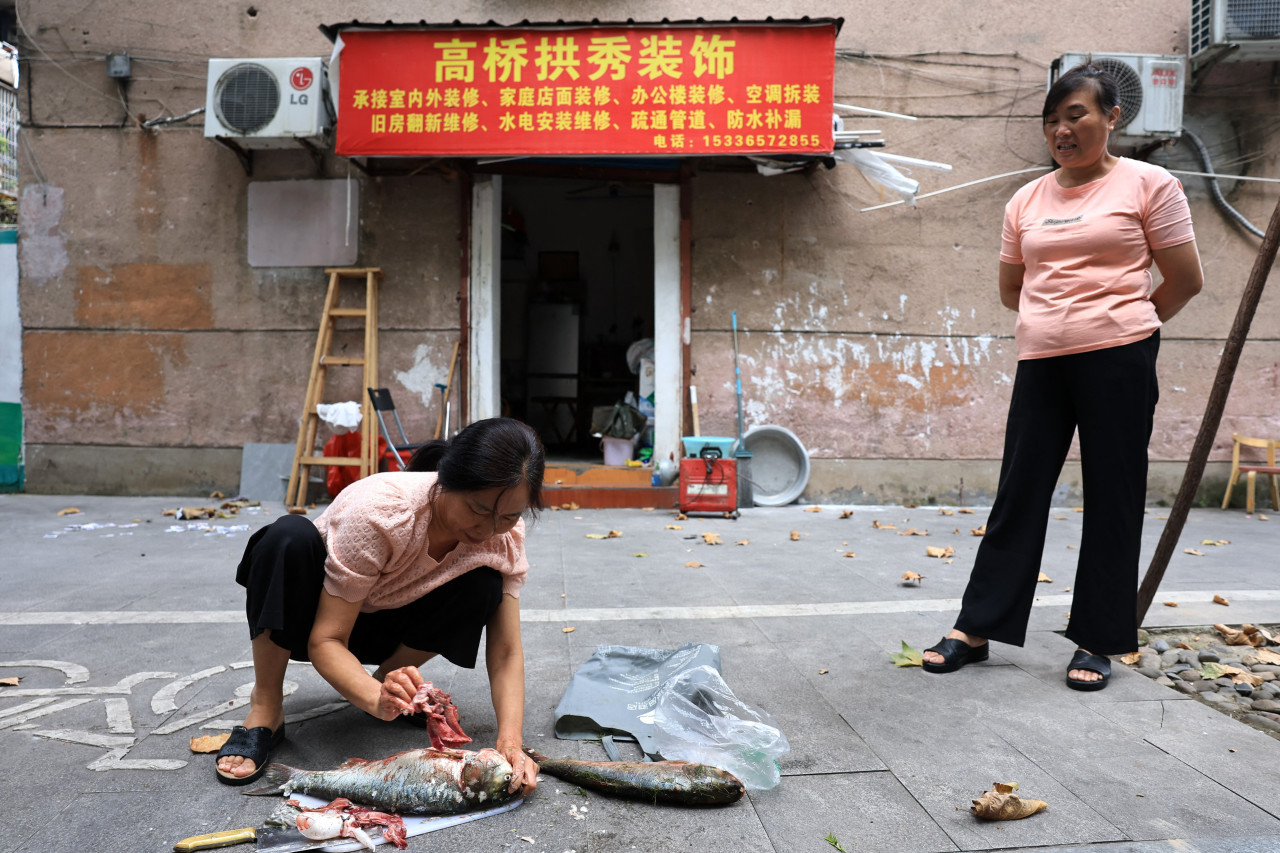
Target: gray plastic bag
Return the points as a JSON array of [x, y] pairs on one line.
[[615, 691]]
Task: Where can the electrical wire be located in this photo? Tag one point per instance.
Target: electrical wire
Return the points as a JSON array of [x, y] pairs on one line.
[[1215, 191]]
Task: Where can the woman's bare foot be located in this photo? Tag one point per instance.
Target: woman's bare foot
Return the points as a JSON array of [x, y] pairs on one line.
[[969, 639]]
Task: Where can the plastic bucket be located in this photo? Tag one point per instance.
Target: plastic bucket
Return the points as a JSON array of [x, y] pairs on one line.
[[779, 465], [617, 451]]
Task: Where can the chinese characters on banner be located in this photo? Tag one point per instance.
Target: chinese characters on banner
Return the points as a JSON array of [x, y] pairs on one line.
[[673, 91]]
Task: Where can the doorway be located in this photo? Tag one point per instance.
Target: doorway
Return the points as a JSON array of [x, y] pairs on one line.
[[577, 306]]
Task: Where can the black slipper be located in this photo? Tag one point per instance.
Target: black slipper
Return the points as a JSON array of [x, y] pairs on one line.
[[955, 654], [1093, 663], [255, 744]]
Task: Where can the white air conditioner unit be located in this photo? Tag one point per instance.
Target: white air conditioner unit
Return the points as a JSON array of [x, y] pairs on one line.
[[1235, 31], [1151, 89], [267, 103]]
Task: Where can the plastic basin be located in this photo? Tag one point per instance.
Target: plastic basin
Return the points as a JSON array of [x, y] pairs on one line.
[[779, 465]]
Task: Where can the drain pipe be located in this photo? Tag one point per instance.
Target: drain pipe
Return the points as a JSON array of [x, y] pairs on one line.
[[1216, 191]]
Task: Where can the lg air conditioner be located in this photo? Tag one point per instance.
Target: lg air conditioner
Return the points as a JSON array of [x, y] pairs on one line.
[[1234, 31], [267, 103], [1151, 90]]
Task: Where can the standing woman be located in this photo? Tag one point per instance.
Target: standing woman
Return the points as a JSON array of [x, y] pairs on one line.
[[401, 567], [1077, 248]]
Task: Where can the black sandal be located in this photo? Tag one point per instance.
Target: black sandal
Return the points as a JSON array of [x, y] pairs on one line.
[[1093, 663], [955, 654], [255, 744]]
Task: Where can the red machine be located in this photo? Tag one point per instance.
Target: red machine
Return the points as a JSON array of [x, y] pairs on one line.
[[709, 483]]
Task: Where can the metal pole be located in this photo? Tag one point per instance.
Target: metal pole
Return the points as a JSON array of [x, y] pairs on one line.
[[737, 374], [1212, 414]]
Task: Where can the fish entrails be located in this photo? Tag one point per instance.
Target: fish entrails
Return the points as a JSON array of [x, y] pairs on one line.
[[416, 782], [680, 782]]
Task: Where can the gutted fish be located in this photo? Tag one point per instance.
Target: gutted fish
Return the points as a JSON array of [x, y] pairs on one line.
[[680, 782], [416, 782]]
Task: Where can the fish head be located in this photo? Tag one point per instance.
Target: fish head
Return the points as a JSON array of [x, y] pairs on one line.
[[486, 776]]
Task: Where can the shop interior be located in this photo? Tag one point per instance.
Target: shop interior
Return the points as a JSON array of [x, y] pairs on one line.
[[577, 302]]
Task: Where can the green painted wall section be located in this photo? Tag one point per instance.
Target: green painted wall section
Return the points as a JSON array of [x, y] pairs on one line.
[[11, 468]]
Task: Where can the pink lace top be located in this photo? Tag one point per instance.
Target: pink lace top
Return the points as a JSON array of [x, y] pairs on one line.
[[376, 535]]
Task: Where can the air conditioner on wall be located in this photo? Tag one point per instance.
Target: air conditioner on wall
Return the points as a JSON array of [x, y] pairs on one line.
[[267, 103], [1235, 31], [1151, 89]]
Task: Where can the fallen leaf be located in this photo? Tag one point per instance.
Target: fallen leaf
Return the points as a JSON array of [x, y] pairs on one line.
[[965, 511], [568, 630], [297, 510], [640, 554], [946, 512], [595, 536], [1044, 578], [209, 743], [1242, 637], [1170, 604], [1130, 659], [674, 527], [850, 554], [170, 512], [1182, 646], [934, 551], [823, 671], [795, 536], [648, 509], [1071, 547], [912, 576], [69, 511], [693, 564], [814, 509], [216, 496], [525, 839], [1241, 676], [1215, 541], [743, 542], [712, 538], [573, 505], [1262, 517], [907, 657], [878, 526], [911, 531], [1066, 589], [1078, 509], [948, 562], [614, 534], [1268, 656], [1193, 552], [979, 531], [11, 682], [1162, 518], [846, 513], [680, 516], [1000, 803], [1217, 599], [1059, 518]]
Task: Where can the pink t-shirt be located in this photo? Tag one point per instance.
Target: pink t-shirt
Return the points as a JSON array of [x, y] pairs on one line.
[[376, 534], [1087, 253]]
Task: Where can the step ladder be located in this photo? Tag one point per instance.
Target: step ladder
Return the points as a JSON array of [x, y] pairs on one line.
[[305, 452]]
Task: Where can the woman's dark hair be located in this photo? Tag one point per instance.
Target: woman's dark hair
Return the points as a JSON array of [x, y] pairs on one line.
[[497, 453], [1104, 85]]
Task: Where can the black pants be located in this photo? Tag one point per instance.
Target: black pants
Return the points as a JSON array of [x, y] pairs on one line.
[[1110, 395], [282, 572]]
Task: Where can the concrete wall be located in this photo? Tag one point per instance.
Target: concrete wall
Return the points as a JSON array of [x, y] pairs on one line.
[[153, 352]]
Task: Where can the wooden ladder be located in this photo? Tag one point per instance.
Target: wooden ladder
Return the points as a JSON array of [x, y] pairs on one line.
[[304, 454]]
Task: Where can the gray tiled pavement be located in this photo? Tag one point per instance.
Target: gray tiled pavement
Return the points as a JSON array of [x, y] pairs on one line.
[[127, 642]]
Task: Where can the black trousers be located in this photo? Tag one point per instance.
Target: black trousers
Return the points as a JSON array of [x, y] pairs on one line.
[[282, 572], [1110, 396]]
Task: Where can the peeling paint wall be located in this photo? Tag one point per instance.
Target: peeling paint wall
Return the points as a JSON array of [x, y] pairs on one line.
[[876, 336]]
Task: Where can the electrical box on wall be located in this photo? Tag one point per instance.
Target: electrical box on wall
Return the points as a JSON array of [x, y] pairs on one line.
[[1151, 92], [268, 103], [1235, 31]]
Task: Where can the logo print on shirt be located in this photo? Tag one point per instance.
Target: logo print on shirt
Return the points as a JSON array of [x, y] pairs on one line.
[[1049, 223]]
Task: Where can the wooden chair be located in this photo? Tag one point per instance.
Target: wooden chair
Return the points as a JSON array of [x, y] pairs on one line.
[[1252, 470]]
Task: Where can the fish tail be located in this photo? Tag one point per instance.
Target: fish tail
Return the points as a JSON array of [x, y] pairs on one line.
[[275, 777], [535, 755]]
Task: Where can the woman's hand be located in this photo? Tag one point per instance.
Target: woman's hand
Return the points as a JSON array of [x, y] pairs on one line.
[[396, 694], [524, 770]]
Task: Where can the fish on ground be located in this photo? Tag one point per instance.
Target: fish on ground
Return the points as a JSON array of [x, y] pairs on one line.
[[679, 782], [416, 782]]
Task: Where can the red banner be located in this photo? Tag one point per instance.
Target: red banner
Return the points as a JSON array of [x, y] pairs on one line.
[[673, 91]]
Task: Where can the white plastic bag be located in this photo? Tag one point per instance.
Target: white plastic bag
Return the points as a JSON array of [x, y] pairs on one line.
[[697, 718], [343, 417], [881, 172]]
